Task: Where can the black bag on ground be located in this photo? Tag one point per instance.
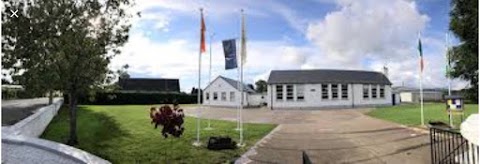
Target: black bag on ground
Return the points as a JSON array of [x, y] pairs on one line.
[[219, 143]]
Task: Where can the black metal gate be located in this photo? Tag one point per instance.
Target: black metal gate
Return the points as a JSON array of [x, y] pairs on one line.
[[449, 146]]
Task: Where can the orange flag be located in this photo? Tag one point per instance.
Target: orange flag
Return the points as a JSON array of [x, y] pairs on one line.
[[202, 33]]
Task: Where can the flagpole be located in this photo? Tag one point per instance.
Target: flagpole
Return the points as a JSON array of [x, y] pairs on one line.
[[421, 82], [447, 40], [448, 76], [197, 142], [238, 86], [242, 56], [210, 76]]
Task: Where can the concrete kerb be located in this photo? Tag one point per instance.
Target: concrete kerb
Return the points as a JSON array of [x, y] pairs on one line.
[[244, 158]]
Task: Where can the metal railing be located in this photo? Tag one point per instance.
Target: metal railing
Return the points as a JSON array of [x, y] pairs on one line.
[[449, 146]]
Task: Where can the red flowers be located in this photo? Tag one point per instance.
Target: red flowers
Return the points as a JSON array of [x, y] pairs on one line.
[[171, 120]]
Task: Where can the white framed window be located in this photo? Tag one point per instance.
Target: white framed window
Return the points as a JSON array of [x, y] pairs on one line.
[[224, 96], [207, 96], [374, 91], [232, 96], [215, 96], [279, 92], [344, 88], [366, 91], [324, 91], [382, 91], [289, 92], [335, 91], [300, 92]]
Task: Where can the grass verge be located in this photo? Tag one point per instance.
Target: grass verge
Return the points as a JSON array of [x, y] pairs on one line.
[[123, 134], [409, 114]]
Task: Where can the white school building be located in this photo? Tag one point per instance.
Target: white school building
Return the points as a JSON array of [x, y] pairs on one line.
[[304, 89], [225, 92]]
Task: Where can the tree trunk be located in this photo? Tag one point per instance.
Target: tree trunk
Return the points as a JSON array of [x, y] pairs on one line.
[[73, 119], [50, 97]]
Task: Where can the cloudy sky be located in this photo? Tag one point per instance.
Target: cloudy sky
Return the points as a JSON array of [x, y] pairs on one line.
[[309, 34]]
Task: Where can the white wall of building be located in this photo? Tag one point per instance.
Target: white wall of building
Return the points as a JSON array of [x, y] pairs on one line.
[[414, 97], [257, 99], [406, 96], [220, 86], [313, 96]]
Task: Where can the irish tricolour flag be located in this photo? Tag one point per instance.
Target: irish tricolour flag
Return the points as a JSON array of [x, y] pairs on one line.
[[420, 52]]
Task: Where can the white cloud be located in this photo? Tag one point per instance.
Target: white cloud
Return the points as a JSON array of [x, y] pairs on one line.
[[377, 29], [369, 34]]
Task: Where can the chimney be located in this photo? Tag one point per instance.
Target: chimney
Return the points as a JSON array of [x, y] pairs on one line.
[[385, 71]]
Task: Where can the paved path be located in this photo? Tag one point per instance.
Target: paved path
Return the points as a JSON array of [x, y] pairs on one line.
[[16, 110], [330, 136]]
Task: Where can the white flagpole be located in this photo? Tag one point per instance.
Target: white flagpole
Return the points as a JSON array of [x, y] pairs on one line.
[[197, 142], [210, 77], [242, 55], [421, 84], [238, 86], [448, 64]]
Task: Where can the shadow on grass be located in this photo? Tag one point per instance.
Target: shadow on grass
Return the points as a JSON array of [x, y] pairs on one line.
[[96, 131]]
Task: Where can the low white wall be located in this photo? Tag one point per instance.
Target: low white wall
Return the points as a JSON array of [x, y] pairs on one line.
[[23, 149], [35, 124], [21, 145]]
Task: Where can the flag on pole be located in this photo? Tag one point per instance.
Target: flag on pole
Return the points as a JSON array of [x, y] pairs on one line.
[[421, 79], [202, 50], [243, 41], [420, 53], [230, 51], [202, 34]]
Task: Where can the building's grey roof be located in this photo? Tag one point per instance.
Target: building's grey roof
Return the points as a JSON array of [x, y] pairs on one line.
[[327, 76], [235, 83]]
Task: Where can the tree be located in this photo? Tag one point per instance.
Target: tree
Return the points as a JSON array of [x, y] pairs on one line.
[[123, 72], [70, 42], [464, 58], [261, 86]]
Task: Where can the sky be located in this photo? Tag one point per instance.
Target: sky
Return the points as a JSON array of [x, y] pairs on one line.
[[281, 35]]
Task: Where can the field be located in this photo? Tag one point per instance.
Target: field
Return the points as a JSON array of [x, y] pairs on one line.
[[409, 114], [123, 134]]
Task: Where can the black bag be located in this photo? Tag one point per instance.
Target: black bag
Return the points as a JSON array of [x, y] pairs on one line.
[[220, 143]]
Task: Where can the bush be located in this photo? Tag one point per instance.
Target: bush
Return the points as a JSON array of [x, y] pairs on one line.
[[8, 94], [121, 98]]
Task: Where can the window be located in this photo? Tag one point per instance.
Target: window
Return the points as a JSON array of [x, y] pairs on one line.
[[232, 96], [224, 96], [289, 92], [215, 96], [365, 91], [300, 90], [324, 91], [207, 96], [374, 91], [335, 91], [382, 91], [344, 91], [279, 89]]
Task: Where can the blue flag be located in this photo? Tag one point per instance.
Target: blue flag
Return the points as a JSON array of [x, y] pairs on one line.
[[230, 51]]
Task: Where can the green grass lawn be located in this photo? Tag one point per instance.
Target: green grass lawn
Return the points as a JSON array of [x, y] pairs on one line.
[[123, 134], [409, 114]]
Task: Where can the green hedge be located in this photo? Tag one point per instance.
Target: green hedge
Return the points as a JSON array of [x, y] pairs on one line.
[[120, 98], [17, 94]]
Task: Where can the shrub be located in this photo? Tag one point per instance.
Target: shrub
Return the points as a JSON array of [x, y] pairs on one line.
[[121, 98]]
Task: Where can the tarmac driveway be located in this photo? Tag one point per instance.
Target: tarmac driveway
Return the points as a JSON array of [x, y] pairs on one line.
[[329, 136]]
